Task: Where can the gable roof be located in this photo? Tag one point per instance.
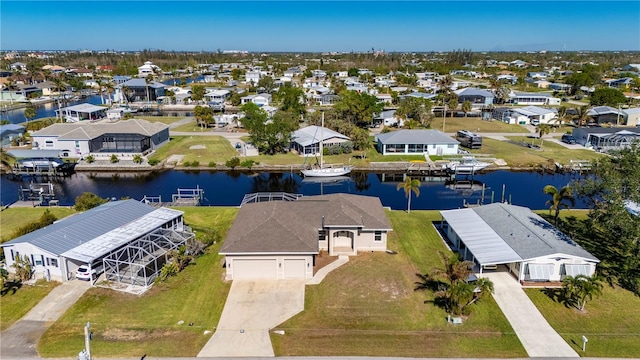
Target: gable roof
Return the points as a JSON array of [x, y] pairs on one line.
[[416, 137], [292, 226], [137, 83], [474, 92], [311, 134], [533, 110], [88, 131], [527, 233], [602, 110], [78, 229]]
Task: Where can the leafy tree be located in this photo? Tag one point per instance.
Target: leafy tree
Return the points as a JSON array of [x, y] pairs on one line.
[[267, 83], [30, 111], [418, 109], [502, 94], [232, 163], [557, 201], [581, 288], [607, 96], [356, 108], [360, 138], [588, 77], [616, 183], [235, 99], [410, 186], [352, 72], [88, 201], [291, 99], [466, 107], [197, 92]]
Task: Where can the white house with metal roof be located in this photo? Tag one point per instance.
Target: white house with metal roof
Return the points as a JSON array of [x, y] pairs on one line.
[[127, 239], [537, 115], [416, 142], [531, 248], [81, 112], [306, 141], [124, 138]]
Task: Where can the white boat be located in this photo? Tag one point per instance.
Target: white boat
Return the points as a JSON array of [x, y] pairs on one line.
[[39, 163], [323, 170], [468, 164]]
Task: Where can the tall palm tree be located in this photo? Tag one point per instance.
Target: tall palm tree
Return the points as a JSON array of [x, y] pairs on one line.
[[563, 116], [410, 185], [444, 83], [101, 90], [466, 107], [558, 197], [147, 81], [454, 270], [542, 130], [582, 115]]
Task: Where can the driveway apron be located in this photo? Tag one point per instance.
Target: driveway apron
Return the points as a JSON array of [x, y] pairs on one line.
[[536, 335], [21, 339], [251, 310]]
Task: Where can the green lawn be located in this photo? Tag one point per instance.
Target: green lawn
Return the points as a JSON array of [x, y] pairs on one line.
[[128, 325], [520, 156], [611, 322], [14, 305], [216, 149], [163, 119], [451, 125], [368, 307], [13, 218]]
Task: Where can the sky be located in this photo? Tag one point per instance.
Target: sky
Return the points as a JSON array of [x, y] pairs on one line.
[[320, 26]]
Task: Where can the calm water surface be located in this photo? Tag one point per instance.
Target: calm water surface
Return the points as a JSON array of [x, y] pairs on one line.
[[228, 189]]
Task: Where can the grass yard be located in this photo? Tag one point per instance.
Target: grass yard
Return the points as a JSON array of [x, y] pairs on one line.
[[368, 307], [451, 125], [14, 218], [216, 149], [13, 306], [611, 322], [520, 156], [127, 325]]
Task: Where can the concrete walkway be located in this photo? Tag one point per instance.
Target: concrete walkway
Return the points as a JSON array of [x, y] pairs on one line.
[[536, 335], [21, 339], [251, 310], [319, 276]]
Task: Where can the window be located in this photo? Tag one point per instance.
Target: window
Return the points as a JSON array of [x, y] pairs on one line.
[[322, 235], [48, 143], [54, 262], [377, 236]]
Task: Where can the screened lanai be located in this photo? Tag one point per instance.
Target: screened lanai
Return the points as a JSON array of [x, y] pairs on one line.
[[613, 141], [139, 262]]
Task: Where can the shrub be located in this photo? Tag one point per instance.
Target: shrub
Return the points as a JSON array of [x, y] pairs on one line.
[[114, 158], [195, 163], [212, 164], [138, 159], [89, 159], [247, 163], [88, 201], [153, 162], [186, 163], [47, 218], [233, 162], [210, 237]]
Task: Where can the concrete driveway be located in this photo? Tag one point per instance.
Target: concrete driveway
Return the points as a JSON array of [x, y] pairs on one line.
[[538, 338], [20, 340], [252, 308]]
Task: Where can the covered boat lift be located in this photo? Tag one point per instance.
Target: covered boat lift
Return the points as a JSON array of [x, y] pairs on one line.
[[81, 112]]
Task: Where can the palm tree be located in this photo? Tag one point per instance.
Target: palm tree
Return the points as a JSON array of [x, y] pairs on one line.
[[453, 103], [543, 129], [147, 81], [454, 270], [557, 199], [582, 115], [444, 83], [563, 116], [99, 82], [410, 185], [109, 87], [466, 107], [581, 288]]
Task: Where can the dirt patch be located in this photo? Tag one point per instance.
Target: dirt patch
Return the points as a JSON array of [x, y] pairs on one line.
[[118, 334], [323, 259], [197, 147]]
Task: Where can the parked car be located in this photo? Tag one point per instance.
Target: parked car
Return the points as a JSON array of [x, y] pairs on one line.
[[568, 139], [83, 272]]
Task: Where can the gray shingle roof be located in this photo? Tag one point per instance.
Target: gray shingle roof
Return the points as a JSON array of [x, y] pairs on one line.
[[292, 226], [416, 137], [78, 229], [88, 131], [527, 233]]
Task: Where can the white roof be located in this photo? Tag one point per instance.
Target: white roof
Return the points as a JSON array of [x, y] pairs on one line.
[[114, 239], [533, 110], [484, 243], [312, 134], [87, 108]]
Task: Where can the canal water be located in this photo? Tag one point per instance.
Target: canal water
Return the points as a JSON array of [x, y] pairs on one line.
[[228, 188]]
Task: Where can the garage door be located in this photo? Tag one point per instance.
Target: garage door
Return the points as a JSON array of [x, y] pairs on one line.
[[255, 269], [294, 268]]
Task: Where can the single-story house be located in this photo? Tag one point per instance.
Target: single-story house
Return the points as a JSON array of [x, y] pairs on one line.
[[124, 138], [606, 114], [281, 239], [537, 115], [419, 95], [10, 131], [80, 112], [533, 99], [306, 141], [388, 118], [532, 249], [126, 239], [414, 142], [631, 116], [477, 97], [258, 99]]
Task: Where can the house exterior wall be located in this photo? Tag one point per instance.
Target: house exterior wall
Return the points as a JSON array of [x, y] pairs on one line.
[[77, 147], [371, 241], [412, 149], [632, 119], [44, 263], [558, 261], [280, 261]]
